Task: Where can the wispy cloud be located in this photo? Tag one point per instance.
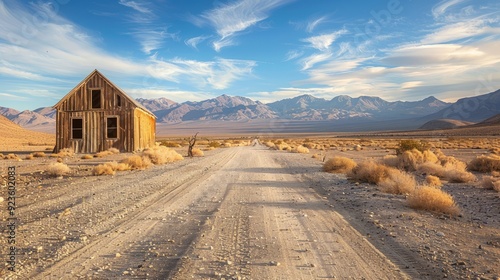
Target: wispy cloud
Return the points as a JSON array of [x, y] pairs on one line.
[[441, 8], [12, 97], [324, 41], [59, 48], [294, 54], [152, 38], [195, 41], [313, 24], [139, 7], [218, 74], [231, 19]]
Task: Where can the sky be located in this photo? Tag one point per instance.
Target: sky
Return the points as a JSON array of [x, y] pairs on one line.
[[265, 50]]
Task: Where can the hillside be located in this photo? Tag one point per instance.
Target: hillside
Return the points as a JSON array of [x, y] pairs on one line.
[[444, 124], [15, 137]]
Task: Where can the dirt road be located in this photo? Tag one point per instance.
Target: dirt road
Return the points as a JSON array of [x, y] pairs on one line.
[[240, 213]]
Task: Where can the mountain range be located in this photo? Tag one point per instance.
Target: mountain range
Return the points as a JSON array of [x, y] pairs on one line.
[[301, 108]]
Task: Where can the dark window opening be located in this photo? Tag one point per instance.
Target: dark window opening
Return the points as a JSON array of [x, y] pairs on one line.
[[118, 101], [112, 127], [96, 99], [77, 129]]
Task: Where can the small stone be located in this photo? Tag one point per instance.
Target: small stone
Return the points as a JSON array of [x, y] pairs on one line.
[[228, 262], [274, 263], [440, 234], [118, 255]]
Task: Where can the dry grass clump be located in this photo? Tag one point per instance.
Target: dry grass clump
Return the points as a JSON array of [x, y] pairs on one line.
[[398, 182], [309, 145], [432, 199], [433, 181], [485, 163], [108, 152], [269, 144], [300, 149], [87, 157], [103, 169], [137, 162], [197, 152], [281, 147], [12, 157], [161, 155], [370, 172], [495, 151], [39, 154], [452, 171], [29, 157], [339, 165], [318, 156], [66, 152], [57, 169], [170, 144], [110, 168], [490, 183]]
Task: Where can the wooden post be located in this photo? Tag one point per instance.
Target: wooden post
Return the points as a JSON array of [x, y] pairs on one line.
[[192, 141]]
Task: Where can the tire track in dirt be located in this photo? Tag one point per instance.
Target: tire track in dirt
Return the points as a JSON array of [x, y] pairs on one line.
[[292, 231], [149, 218]]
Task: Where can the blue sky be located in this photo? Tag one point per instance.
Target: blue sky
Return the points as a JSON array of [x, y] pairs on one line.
[[262, 49]]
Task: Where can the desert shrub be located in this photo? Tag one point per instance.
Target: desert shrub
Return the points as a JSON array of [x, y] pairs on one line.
[[103, 154], [197, 152], [39, 154], [358, 148], [227, 145], [339, 165], [87, 157], [66, 152], [103, 169], [281, 147], [57, 169], [453, 171], [301, 150], [433, 181], [495, 151], [29, 157], [390, 160], [398, 182], [490, 183], [110, 168], [485, 163], [137, 162], [170, 144], [309, 145], [408, 145], [269, 144], [114, 151], [432, 199], [214, 144], [12, 157], [161, 155], [317, 156], [370, 172]]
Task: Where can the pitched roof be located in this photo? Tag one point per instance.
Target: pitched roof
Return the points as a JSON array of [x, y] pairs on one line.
[[137, 104]]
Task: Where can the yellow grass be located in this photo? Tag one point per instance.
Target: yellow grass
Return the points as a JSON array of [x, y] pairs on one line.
[[103, 169], [370, 172], [301, 150], [398, 182], [490, 183], [432, 199], [39, 154], [110, 168], [339, 165], [57, 169], [87, 157], [485, 163], [137, 162], [29, 157], [161, 155], [66, 152], [197, 152], [433, 181]]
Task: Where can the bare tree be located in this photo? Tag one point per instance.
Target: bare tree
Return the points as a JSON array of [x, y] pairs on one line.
[[192, 141]]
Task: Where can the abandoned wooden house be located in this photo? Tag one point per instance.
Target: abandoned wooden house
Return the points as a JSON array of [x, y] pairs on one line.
[[97, 115]]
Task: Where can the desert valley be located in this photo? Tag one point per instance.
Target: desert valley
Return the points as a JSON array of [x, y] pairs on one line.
[[269, 196]]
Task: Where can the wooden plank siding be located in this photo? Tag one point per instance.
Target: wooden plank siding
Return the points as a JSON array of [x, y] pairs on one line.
[[136, 126]]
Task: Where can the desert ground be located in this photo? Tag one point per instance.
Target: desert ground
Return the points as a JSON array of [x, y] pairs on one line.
[[244, 211]]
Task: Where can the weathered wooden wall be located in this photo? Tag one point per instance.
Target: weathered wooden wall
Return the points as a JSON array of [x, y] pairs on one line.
[[136, 126]]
